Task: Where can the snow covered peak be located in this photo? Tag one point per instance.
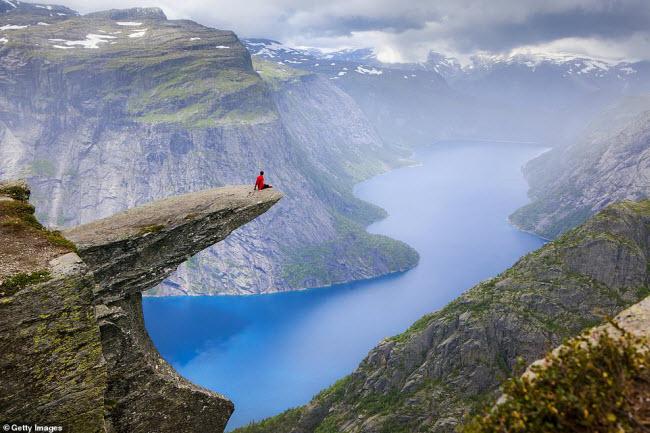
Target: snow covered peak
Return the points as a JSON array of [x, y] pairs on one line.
[[271, 49]]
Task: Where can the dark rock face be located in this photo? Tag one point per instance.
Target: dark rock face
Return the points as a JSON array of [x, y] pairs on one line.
[[74, 349], [450, 361]]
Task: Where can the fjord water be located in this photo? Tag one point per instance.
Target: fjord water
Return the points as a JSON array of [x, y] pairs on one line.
[[271, 352]]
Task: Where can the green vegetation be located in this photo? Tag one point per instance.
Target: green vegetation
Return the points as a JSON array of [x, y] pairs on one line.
[[544, 275], [585, 386], [43, 168], [19, 281], [313, 265], [17, 215], [327, 426], [529, 215], [483, 298], [161, 77], [276, 75], [19, 212], [194, 91], [569, 184], [278, 423], [15, 192], [151, 229], [56, 238], [200, 92], [318, 265]]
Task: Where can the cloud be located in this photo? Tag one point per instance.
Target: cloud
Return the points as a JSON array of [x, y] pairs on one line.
[[408, 29]]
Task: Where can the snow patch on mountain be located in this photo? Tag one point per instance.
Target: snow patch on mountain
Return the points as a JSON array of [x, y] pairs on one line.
[[367, 71], [138, 34], [12, 27], [92, 41]]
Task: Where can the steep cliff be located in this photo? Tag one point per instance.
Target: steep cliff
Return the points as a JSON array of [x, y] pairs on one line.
[[609, 162], [115, 109], [74, 350], [440, 369]]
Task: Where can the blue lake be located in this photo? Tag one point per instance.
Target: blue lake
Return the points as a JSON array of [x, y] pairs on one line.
[[271, 352]]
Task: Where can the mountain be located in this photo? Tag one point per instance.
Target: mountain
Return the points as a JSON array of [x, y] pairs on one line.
[[410, 105], [449, 362], [526, 96], [114, 109], [610, 161], [579, 87]]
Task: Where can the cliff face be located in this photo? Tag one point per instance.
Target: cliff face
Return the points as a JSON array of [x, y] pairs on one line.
[[570, 184], [322, 227], [51, 359], [74, 348], [449, 361], [111, 110]]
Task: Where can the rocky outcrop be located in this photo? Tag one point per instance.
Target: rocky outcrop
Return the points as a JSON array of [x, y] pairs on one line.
[[635, 320], [570, 184], [112, 110], [135, 250], [132, 252], [598, 381], [74, 349], [450, 361]]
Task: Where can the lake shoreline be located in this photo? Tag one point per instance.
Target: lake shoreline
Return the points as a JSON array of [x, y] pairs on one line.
[[268, 353], [410, 162]]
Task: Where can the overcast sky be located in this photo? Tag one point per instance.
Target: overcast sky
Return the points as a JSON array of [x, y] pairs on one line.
[[405, 30]]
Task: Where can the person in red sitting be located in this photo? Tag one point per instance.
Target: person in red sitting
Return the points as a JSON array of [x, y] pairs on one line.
[[259, 183]]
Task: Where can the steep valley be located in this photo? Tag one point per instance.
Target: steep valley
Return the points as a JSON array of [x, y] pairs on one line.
[[110, 110], [129, 128], [448, 363]]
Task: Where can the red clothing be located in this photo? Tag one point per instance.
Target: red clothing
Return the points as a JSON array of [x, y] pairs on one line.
[[259, 183]]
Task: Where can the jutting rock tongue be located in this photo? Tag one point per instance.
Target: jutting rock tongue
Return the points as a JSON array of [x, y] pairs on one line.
[[131, 252]]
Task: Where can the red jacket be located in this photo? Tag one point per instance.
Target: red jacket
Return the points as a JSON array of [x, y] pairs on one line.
[[259, 183]]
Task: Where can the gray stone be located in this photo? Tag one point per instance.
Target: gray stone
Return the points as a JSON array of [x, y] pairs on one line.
[[74, 350]]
